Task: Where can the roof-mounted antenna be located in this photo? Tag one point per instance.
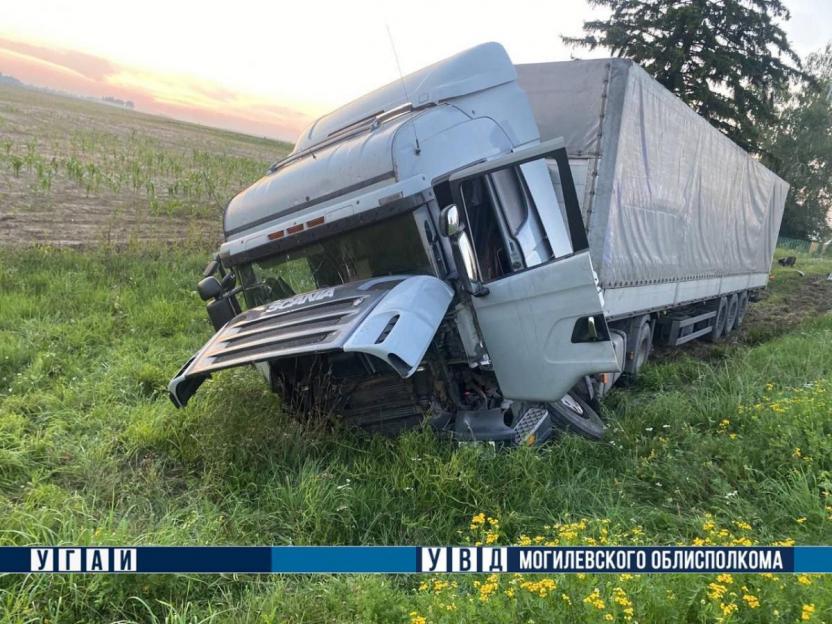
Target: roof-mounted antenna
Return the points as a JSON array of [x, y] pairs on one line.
[[404, 84]]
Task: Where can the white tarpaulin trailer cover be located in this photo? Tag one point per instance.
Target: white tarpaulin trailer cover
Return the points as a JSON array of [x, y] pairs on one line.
[[666, 197]]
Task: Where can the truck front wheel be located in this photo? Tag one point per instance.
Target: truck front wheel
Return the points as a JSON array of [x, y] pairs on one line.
[[576, 415], [639, 345]]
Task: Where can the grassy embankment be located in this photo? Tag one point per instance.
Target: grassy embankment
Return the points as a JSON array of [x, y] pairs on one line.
[[733, 448]]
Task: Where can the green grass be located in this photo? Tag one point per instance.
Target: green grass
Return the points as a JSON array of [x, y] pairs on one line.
[[92, 452]]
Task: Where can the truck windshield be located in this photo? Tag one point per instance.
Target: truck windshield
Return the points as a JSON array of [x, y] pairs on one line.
[[389, 247]]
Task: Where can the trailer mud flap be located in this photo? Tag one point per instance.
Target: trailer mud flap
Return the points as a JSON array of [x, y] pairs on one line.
[[391, 318]]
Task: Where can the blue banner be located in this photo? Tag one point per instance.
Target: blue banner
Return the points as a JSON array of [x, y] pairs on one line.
[[413, 559]]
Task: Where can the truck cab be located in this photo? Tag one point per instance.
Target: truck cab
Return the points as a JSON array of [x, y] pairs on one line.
[[419, 257]]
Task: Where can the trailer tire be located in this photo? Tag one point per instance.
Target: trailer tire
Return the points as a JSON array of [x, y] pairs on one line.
[[718, 328], [574, 414], [731, 316], [742, 306]]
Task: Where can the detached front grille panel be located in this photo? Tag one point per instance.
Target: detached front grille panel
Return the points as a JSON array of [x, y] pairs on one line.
[[283, 332], [262, 334], [334, 307], [229, 357]]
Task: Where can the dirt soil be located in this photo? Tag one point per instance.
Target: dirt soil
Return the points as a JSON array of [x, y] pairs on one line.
[[790, 300]]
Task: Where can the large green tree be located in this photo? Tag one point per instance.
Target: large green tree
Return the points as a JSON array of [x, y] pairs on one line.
[[726, 58], [798, 147]]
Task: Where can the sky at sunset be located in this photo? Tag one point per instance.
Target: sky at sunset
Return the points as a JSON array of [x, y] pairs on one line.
[[270, 68]]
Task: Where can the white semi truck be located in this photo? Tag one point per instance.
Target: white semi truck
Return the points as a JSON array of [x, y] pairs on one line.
[[487, 248]]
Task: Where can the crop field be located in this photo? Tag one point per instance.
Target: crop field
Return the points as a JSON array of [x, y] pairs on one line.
[[716, 444], [79, 172]]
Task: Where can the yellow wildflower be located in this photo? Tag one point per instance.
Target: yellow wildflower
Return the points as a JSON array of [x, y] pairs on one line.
[[566, 598], [477, 521], [752, 601], [415, 618], [807, 611], [619, 597], [800, 520], [804, 579], [726, 579], [542, 587], [716, 591], [594, 599], [796, 453], [488, 587], [728, 609], [609, 617], [440, 584]]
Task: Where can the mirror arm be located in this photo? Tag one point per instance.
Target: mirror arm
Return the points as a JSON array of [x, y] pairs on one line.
[[478, 290]]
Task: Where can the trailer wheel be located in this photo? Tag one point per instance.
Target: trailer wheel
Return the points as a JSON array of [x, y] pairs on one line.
[[575, 414], [731, 316], [718, 328], [742, 306]]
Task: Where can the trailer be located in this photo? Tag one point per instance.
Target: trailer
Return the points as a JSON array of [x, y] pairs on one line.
[[487, 249], [682, 223]]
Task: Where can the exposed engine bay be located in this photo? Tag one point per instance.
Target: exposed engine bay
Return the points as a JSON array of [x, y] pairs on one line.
[[365, 392]]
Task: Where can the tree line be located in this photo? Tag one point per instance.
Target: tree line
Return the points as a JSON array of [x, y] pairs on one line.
[[732, 62]]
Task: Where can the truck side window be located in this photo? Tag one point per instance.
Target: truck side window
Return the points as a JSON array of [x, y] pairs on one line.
[[485, 229]]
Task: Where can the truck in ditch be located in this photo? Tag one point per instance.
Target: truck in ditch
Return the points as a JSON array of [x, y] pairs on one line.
[[487, 248]]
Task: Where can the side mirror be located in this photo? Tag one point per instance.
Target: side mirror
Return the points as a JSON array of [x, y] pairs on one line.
[[228, 281], [465, 255], [210, 268], [209, 288], [450, 225]]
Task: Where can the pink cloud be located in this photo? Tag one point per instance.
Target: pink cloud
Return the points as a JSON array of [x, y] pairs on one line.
[[181, 97]]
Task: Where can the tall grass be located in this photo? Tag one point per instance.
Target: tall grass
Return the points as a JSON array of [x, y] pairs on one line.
[[732, 449]]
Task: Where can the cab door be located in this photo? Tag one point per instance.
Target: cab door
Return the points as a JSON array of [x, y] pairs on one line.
[[537, 303]]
